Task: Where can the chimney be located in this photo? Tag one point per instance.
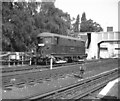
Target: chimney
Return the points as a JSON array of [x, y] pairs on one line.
[[109, 29]]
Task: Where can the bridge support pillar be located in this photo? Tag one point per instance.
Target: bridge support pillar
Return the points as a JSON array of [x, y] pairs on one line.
[[98, 53]]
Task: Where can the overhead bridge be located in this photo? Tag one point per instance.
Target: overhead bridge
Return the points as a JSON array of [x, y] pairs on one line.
[[107, 41], [96, 41]]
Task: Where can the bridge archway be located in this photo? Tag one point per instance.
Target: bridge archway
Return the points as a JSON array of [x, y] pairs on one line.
[[107, 41]]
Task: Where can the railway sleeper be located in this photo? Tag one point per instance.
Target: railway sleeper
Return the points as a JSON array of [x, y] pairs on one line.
[[58, 95], [5, 82], [39, 81], [7, 85], [20, 85], [18, 81], [47, 79], [30, 81], [7, 88], [62, 76]]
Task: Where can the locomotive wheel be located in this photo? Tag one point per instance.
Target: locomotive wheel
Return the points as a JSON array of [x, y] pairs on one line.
[[47, 61], [39, 61]]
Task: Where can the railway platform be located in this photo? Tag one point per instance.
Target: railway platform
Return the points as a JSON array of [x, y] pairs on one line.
[[111, 90]]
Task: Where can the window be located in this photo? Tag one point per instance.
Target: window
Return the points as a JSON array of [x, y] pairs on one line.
[[48, 40], [40, 40], [56, 40]]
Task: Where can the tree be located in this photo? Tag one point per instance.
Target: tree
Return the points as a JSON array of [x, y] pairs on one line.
[[83, 18], [52, 19], [18, 26], [23, 21], [89, 25], [76, 24]]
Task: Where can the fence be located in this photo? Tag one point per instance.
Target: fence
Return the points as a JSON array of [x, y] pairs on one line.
[[15, 58]]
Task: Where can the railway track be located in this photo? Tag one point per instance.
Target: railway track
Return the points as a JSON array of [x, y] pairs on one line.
[[80, 89], [36, 75]]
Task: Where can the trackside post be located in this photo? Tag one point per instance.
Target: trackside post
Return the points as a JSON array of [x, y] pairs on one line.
[[9, 61], [82, 69], [51, 62], [22, 59], [30, 61]]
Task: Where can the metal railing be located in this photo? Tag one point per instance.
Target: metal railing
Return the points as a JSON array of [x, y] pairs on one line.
[[15, 58]]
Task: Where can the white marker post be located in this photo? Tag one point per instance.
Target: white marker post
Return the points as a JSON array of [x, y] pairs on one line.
[[22, 59], [9, 61], [14, 59], [30, 61], [51, 61]]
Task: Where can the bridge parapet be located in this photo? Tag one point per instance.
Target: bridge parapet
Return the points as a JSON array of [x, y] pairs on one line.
[[108, 36]]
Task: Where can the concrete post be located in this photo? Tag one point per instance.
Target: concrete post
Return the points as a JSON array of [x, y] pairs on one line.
[[9, 61], [98, 56], [51, 62], [22, 59], [30, 61], [14, 63]]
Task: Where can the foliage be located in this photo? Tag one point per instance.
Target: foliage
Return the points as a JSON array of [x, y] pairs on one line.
[[76, 24], [83, 18], [89, 25], [22, 22], [18, 26]]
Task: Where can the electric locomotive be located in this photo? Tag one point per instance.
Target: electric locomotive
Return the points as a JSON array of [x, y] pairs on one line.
[[60, 47]]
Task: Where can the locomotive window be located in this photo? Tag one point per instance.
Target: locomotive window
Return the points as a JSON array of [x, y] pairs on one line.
[[48, 40], [40, 40], [56, 40], [74, 40]]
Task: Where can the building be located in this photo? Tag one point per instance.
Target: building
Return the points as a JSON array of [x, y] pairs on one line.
[[101, 44]]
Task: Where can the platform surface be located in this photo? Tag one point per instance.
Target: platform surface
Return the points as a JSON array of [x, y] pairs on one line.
[[111, 90]]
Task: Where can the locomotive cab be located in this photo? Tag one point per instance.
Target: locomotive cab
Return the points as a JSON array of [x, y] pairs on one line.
[[40, 42], [43, 43], [46, 44], [44, 47]]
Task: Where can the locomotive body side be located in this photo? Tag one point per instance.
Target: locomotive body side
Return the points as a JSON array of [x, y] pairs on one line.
[[69, 47]]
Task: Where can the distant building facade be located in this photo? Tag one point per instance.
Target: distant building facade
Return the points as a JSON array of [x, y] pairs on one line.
[[107, 49], [109, 29]]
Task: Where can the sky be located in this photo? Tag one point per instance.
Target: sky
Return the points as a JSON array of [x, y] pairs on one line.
[[104, 12]]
